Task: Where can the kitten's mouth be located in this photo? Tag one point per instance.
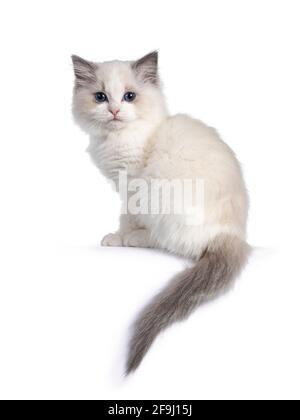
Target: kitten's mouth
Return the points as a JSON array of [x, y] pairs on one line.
[[115, 120]]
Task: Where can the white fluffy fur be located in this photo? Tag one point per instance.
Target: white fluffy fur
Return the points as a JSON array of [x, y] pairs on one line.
[[150, 144]]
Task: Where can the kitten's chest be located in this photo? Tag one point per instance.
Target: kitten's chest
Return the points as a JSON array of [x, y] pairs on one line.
[[117, 155]]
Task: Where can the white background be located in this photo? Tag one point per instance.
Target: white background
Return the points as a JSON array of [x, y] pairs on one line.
[[66, 304]]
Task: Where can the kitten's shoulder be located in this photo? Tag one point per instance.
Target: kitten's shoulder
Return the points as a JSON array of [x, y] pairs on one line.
[[186, 122], [182, 128]]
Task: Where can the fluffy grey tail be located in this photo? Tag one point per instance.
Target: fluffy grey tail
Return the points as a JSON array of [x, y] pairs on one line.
[[214, 273]]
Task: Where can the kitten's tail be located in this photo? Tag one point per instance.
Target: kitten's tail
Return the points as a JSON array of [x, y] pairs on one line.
[[214, 273]]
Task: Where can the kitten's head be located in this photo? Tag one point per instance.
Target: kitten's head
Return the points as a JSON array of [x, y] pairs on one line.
[[112, 95]]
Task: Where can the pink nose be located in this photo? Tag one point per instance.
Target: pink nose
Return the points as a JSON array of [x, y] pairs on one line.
[[114, 111]]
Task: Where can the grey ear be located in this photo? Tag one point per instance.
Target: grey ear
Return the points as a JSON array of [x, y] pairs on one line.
[[85, 71], [147, 67]]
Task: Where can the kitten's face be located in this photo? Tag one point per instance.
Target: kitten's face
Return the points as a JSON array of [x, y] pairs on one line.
[[114, 94]]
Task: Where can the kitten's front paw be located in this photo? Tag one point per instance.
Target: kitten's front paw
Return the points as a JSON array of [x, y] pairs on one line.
[[112, 239], [137, 238]]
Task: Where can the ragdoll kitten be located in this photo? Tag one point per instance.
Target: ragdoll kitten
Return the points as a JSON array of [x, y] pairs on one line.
[[122, 107]]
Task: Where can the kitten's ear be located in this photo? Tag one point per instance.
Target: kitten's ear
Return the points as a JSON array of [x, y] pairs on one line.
[[85, 71], [147, 67]]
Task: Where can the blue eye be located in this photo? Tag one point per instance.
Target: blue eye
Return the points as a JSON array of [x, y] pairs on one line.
[[129, 96], [100, 97]]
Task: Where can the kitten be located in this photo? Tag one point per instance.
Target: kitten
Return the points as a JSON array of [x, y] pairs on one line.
[[122, 107]]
